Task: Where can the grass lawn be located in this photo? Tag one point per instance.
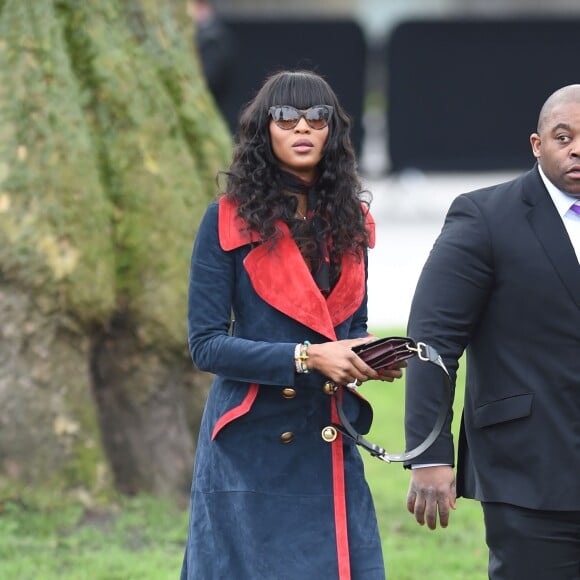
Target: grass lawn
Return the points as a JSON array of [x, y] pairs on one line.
[[54, 539], [142, 538]]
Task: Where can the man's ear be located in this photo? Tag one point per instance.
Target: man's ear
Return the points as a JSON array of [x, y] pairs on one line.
[[536, 143]]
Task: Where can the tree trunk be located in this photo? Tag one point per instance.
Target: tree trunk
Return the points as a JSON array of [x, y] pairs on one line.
[[147, 411], [48, 426], [109, 144]]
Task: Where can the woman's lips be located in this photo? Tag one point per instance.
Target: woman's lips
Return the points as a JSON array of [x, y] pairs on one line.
[[302, 146]]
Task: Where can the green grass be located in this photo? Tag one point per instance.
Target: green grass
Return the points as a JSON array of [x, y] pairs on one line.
[[57, 539], [142, 538]]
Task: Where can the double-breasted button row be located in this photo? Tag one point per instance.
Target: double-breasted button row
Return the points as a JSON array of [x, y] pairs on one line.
[[288, 436], [329, 434], [328, 388]]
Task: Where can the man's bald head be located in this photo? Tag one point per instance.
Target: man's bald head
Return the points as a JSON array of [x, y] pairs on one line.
[[563, 96], [556, 145]]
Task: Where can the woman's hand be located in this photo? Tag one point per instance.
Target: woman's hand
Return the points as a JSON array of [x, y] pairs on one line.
[[392, 373], [338, 362]]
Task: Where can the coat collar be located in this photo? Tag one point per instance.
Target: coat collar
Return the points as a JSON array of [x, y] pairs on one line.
[[280, 276], [233, 231], [551, 233], [234, 234]]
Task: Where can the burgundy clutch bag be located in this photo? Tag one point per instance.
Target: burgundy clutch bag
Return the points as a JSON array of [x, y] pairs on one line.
[[385, 353]]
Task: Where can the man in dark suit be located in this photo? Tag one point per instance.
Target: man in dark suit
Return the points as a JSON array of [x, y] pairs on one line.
[[502, 283]]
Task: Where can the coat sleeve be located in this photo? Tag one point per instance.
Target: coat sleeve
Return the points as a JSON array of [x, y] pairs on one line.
[[211, 289], [451, 294]]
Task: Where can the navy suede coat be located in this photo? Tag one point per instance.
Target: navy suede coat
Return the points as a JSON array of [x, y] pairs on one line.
[[271, 499]]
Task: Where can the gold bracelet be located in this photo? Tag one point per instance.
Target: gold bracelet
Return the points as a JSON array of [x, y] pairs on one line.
[[297, 363], [303, 356]]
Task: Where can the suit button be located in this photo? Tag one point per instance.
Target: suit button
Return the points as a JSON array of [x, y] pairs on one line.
[[329, 434], [288, 393], [329, 388], [287, 437]]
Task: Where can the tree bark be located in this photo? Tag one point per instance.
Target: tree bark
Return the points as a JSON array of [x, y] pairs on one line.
[[109, 144]]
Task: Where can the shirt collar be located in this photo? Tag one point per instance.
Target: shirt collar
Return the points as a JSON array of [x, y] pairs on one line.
[[561, 200]]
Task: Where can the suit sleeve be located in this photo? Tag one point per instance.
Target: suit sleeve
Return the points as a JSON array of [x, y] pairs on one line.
[[211, 288], [450, 296]]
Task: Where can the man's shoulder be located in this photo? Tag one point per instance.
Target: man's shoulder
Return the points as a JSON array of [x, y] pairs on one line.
[[504, 192]]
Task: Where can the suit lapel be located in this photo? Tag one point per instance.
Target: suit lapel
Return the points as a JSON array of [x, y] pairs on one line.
[[551, 233]]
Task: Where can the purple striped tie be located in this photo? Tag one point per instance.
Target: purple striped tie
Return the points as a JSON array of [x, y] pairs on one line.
[[576, 208]]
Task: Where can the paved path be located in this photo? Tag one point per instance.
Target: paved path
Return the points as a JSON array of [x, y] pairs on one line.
[[409, 210]]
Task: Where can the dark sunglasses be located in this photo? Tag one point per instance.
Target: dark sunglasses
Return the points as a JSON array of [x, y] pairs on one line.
[[287, 117]]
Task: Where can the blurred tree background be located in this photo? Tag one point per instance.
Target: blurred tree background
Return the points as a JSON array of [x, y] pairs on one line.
[[109, 147]]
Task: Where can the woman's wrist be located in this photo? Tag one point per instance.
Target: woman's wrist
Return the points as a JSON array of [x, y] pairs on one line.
[[301, 357]]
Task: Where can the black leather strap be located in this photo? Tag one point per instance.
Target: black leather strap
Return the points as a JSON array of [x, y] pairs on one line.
[[426, 354]]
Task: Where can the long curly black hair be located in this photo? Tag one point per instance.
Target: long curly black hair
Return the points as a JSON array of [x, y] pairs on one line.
[[254, 178]]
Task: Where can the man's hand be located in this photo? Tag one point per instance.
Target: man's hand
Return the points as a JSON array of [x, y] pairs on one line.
[[431, 492]]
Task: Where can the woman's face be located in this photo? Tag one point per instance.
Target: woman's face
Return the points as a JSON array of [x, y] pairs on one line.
[[298, 150]]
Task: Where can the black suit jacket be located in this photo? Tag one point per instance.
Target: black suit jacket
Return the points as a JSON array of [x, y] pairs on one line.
[[503, 283]]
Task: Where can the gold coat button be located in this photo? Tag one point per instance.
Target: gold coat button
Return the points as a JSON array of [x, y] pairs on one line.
[[329, 388], [288, 393], [329, 434], [287, 437]]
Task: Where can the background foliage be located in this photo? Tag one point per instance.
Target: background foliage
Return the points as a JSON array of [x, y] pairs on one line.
[[109, 146]]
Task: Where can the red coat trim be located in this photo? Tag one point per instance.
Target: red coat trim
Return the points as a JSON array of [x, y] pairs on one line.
[[339, 491], [232, 231], [237, 411], [280, 276], [349, 291], [371, 227]]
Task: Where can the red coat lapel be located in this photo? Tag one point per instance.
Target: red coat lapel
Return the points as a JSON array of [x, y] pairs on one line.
[[349, 291], [371, 228], [280, 276]]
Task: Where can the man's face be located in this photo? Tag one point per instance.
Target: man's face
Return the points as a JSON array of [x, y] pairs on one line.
[[557, 147]]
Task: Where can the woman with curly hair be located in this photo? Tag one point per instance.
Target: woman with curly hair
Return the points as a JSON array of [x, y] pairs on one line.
[[278, 493]]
